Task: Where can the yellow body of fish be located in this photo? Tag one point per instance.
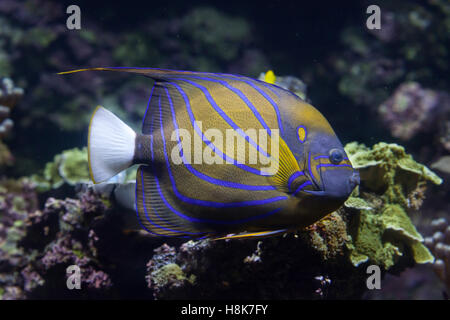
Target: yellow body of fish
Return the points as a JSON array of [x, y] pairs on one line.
[[221, 154]]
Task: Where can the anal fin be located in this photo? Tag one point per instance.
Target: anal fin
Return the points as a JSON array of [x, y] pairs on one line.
[[253, 235]]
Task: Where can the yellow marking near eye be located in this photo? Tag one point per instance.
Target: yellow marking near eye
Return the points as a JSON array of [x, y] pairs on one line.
[[301, 133]]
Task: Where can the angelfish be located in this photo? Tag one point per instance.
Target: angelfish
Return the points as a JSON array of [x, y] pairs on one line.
[[231, 197]]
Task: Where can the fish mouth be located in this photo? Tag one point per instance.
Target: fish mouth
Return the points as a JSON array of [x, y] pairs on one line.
[[352, 183], [355, 180]]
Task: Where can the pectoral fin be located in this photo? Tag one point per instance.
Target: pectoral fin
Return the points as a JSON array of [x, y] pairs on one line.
[[288, 165]]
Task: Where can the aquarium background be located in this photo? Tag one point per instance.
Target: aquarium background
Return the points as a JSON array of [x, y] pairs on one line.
[[389, 85]]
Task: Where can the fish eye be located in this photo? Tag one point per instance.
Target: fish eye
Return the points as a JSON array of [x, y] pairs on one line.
[[336, 156]]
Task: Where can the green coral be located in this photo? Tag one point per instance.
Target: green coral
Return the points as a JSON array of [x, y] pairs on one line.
[[69, 167], [329, 236], [357, 203], [72, 167], [170, 273], [16, 200], [382, 231], [388, 166]]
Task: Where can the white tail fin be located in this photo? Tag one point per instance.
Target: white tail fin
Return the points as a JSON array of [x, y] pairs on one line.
[[111, 145]]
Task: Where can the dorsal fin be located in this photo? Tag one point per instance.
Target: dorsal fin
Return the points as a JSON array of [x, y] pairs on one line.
[[149, 72]]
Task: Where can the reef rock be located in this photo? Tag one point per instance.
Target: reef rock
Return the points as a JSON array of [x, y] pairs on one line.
[[439, 244], [9, 97], [413, 109], [392, 184]]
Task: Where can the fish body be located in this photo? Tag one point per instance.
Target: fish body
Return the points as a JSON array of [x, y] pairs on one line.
[[221, 154]]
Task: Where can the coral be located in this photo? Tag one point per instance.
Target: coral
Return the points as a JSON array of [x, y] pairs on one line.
[[66, 251], [363, 80], [164, 275], [385, 165], [329, 236], [371, 66], [9, 97], [282, 267], [392, 184], [71, 167], [170, 277], [397, 73], [37, 245], [17, 199], [412, 109], [439, 244]]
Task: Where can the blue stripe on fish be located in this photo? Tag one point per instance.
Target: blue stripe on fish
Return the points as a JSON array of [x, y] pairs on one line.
[[309, 166], [212, 221], [137, 213], [303, 185], [225, 116], [241, 95], [332, 165], [161, 195], [204, 202], [326, 157], [201, 175], [147, 216], [143, 190], [146, 111], [265, 95], [269, 86], [209, 143], [294, 176]]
